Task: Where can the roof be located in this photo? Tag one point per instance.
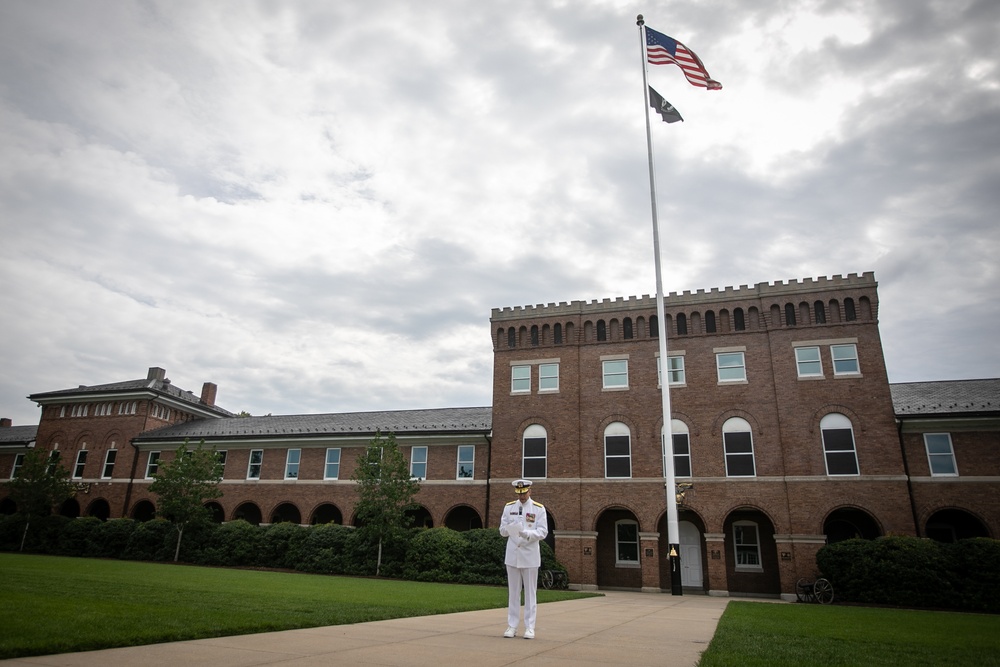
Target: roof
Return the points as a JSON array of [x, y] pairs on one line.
[[17, 435], [159, 386], [435, 421], [946, 397]]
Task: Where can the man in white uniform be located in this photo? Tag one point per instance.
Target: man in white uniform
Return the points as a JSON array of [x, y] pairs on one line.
[[524, 524]]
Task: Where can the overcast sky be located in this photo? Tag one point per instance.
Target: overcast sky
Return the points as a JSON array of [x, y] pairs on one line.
[[315, 205]]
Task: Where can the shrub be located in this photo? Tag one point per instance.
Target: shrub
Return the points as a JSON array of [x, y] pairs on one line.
[[484, 554], [74, 538], [151, 540], [436, 554], [110, 539], [277, 541], [11, 530], [322, 549]]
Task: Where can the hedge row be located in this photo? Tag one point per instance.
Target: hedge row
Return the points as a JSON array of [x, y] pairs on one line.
[[915, 572], [421, 554]]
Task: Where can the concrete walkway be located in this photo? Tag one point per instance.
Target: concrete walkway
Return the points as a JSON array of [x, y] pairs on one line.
[[617, 629]]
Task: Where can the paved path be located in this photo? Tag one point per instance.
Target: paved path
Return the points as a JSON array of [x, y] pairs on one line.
[[620, 628]]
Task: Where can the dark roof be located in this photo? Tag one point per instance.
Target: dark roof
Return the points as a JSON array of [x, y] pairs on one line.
[[947, 397], [17, 435], [159, 386], [432, 421]]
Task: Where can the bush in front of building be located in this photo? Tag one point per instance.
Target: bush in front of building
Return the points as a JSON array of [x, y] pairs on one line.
[[485, 549], [436, 554], [151, 540], [110, 538], [76, 537], [915, 572]]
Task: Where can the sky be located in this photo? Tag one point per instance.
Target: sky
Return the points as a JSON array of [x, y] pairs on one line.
[[315, 205]]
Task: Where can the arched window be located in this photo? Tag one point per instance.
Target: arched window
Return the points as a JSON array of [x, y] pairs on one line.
[[654, 326], [838, 445], [709, 321], [534, 335], [602, 330], [789, 315], [535, 452], [737, 439], [617, 451], [627, 328], [511, 338], [682, 324], [739, 323], [820, 312], [681, 438], [849, 313], [557, 334]]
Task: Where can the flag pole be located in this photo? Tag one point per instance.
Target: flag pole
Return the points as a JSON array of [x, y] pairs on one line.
[[667, 441]]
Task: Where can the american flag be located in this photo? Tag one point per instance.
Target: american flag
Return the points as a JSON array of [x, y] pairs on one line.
[[663, 50]]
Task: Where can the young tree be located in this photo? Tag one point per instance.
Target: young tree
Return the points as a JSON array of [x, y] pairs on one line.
[[385, 489], [41, 483], [184, 484]]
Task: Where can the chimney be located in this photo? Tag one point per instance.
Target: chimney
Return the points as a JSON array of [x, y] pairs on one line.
[[156, 373], [208, 391], [5, 422]]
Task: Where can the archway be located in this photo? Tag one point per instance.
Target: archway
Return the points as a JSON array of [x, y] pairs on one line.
[[848, 523], [8, 506], [248, 512], [218, 515], [751, 554], [100, 509], [951, 525], [618, 550], [692, 557], [143, 510], [70, 508], [420, 517], [463, 518], [286, 512], [326, 513]]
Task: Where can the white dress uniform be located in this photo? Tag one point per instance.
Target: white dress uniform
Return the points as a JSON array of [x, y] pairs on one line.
[[524, 524]]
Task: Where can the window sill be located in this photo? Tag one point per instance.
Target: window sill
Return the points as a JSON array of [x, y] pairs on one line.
[[812, 377], [628, 565], [614, 388], [722, 382]]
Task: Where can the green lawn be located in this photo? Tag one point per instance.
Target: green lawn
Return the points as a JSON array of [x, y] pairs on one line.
[[754, 633], [50, 604]]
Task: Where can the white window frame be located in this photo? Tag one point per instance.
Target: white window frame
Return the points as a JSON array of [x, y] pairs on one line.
[[152, 464], [520, 379], [223, 455], [619, 543], [807, 367], [677, 428], [943, 438], [418, 457], [80, 465], [614, 374], [330, 465], [18, 462], [617, 430], [676, 373], [743, 548], [293, 459], [838, 422], [725, 364], [108, 469], [254, 468], [548, 377], [466, 462], [852, 358], [736, 425], [534, 432]]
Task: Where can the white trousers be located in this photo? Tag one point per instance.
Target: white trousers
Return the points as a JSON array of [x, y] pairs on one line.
[[519, 578]]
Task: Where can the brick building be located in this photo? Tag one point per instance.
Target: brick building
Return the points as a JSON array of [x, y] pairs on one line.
[[786, 435]]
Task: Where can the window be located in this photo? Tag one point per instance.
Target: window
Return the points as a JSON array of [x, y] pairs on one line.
[[534, 335], [845, 359], [682, 449], [18, 462], [161, 412], [627, 328], [682, 324], [838, 445], [709, 321], [533, 463], [617, 451], [332, 468], [54, 457], [127, 408], [808, 362], [747, 543], [223, 456], [616, 374], [738, 443], [731, 367], [418, 462], [152, 464], [466, 462], [548, 377], [940, 455], [789, 315], [602, 330], [511, 337], [79, 410], [626, 542], [255, 464], [850, 314], [739, 321], [557, 334], [654, 327], [819, 311], [675, 370], [520, 379], [102, 409], [109, 463], [81, 463], [292, 463]]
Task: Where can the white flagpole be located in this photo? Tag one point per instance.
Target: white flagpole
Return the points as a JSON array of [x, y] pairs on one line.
[[673, 530]]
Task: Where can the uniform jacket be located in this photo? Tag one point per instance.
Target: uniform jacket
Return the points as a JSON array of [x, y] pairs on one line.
[[524, 526]]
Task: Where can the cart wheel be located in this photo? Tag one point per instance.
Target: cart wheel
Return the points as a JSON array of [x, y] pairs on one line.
[[547, 579], [823, 590], [802, 588]]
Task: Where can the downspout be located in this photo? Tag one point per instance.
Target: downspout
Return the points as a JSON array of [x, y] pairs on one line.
[[489, 471], [909, 481]]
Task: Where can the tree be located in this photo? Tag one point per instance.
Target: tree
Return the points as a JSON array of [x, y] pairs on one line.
[[385, 490], [40, 483], [184, 484]]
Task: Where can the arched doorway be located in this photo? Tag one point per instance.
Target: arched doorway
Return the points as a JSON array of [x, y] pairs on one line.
[[286, 512], [692, 530], [618, 552], [326, 513], [751, 553], [951, 525], [70, 508], [248, 512], [100, 509], [218, 514], [848, 523], [463, 518], [420, 518], [143, 510]]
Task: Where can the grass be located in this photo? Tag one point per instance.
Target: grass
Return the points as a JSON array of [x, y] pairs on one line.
[[754, 633], [50, 604]]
